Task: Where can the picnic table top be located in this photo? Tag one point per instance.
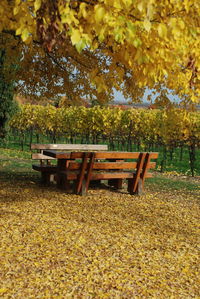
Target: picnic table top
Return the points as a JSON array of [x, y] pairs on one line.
[[70, 147], [57, 155]]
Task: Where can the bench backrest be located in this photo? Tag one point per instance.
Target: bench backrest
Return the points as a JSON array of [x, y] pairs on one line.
[[67, 147], [111, 165], [113, 160]]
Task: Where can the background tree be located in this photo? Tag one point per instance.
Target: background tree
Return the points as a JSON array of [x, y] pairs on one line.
[[8, 105]]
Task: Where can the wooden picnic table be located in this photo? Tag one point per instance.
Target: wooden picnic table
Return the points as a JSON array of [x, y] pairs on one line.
[[49, 170]]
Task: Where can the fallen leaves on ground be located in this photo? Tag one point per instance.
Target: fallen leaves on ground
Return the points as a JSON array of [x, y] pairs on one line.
[[104, 245]]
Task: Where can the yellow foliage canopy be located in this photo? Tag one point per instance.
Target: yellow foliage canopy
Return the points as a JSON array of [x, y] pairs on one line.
[[157, 41]]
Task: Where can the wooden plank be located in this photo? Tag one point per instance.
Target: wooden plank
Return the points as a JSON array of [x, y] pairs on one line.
[[89, 172], [110, 165], [41, 157], [98, 155], [139, 169], [114, 175], [108, 155], [112, 155], [45, 168], [70, 147], [82, 172], [120, 155], [57, 155], [103, 175], [145, 168], [117, 155]]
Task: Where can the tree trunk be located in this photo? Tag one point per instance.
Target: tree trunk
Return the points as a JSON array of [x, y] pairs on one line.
[[192, 154]]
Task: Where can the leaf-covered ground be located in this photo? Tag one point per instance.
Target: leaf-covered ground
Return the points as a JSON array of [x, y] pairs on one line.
[[105, 245]]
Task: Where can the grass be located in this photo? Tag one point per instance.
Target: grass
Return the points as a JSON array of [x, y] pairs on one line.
[[13, 161], [173, 183]]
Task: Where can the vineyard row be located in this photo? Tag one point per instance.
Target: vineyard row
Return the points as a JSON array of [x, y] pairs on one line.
[[144, 129]]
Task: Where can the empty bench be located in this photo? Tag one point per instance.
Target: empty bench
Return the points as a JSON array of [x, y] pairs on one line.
[[82, 168], [45, 166]]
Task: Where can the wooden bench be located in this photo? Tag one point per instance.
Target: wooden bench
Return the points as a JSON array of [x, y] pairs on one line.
[[82, 168], [47, 169]]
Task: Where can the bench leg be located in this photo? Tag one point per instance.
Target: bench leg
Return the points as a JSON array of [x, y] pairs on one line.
[[58, 180], [45, 178], [116, 183], [83, 190], [95, 183], [63, 183], [139, 189]]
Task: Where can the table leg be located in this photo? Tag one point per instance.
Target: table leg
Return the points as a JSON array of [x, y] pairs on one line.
[[62, 181]]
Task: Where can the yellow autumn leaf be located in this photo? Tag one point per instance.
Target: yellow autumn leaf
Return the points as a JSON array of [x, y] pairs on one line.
[[176, 31], [140, 5], [99, 13], [162, 30], [25, 34], [181, 24], [75, 36], [19, 31], [117, 4], [37, 5], [3, 291], [147, 25], [83, 10], [127, 2], [16, 10]]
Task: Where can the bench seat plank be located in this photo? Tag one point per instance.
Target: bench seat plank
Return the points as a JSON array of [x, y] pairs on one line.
[[113, 155], [45, 168], [110, 165], [101, 175], [38, 156], [98, 155]]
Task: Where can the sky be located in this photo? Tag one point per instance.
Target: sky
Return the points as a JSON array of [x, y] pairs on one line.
[[120, 98]]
